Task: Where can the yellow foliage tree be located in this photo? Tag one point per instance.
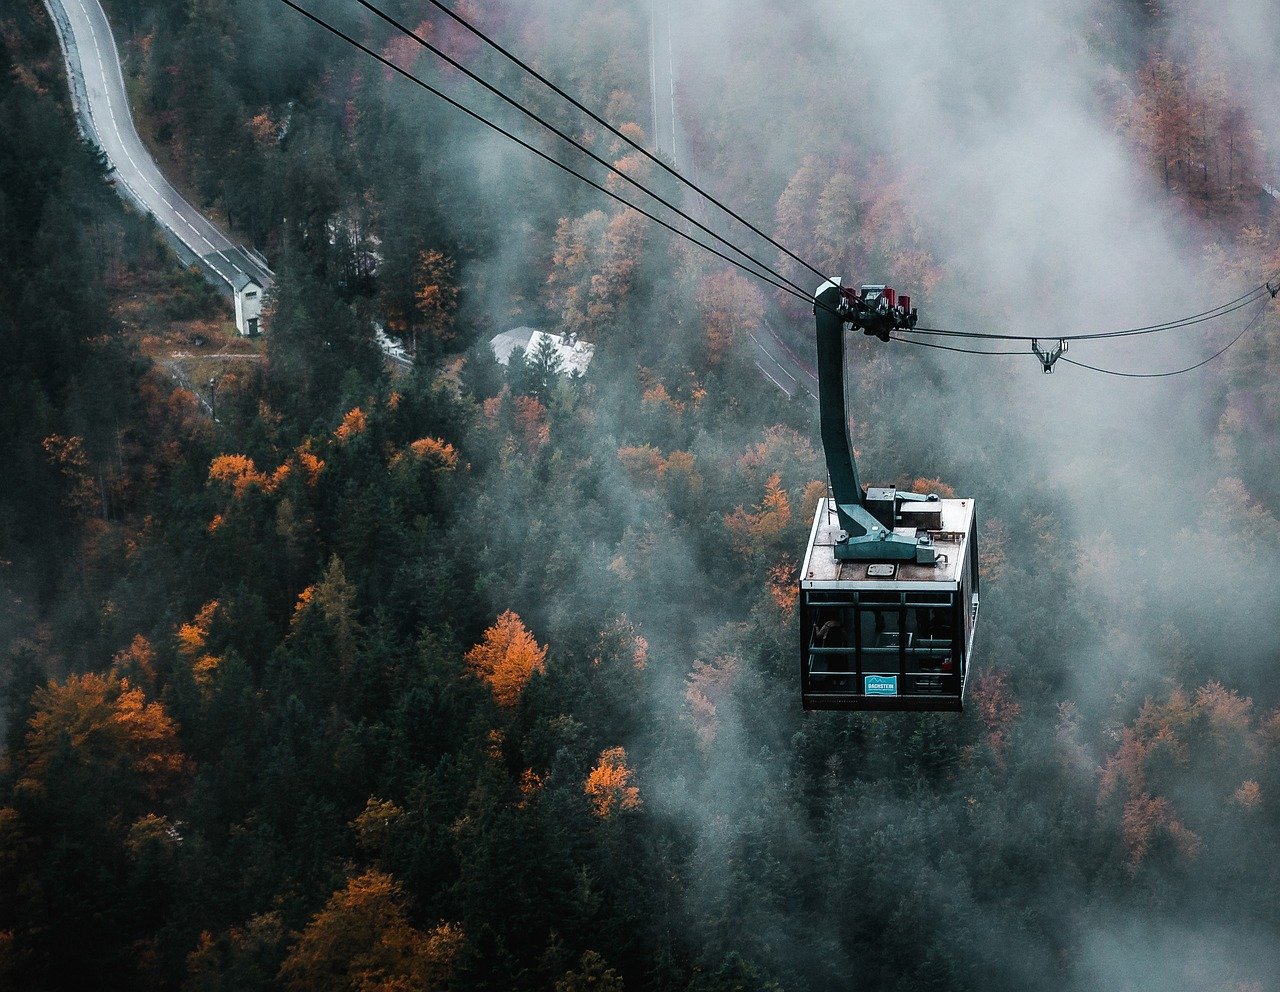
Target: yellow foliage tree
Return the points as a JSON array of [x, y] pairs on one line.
[[593, 975], [376, 824], [609, 785], [362, 941], [507, 658]]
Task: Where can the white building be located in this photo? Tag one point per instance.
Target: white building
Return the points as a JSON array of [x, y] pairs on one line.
[[575, 355], [248, 298]]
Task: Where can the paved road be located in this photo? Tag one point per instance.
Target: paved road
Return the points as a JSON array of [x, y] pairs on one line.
[[662, 79], [776, 361], [781, 365], [102, 109]]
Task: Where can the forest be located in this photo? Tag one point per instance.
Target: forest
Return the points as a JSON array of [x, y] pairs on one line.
[[472, 677]]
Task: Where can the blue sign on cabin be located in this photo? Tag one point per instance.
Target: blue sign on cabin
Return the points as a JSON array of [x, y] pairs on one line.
[[880, 685]]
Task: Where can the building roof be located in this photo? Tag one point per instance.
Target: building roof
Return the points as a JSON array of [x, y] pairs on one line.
[[575, 355], [508, 341]]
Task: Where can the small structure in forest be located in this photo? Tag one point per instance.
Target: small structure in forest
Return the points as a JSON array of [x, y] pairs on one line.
[[248, 300], [574, 355]]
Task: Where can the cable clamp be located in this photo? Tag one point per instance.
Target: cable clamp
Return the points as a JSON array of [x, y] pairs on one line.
[[1048, 356], [1273, 291]]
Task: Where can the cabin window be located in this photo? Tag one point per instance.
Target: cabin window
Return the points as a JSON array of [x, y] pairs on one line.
[[879, 633], [831, 649], [930, 640]]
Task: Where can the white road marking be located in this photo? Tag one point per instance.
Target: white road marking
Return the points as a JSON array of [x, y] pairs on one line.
[[671, 69], [180, 211], [765, 351], [765, 373]]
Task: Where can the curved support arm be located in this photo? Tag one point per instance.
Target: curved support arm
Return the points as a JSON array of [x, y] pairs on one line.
[[836, 443], [865, 537]]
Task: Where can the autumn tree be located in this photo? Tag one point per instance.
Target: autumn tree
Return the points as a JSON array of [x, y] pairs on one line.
[[593, 974], [609, 785], [730, 304], [193, 638], [326, 614], [1185, 121], [435, 298], [594, 268], [362, 941], [83, 491], [99, 765], [507, 658], [241, 958], [101, 732], [705, 687], [751, 531], [1209, 734]]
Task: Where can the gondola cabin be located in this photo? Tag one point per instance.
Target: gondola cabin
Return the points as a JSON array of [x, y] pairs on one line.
[[890, 635]]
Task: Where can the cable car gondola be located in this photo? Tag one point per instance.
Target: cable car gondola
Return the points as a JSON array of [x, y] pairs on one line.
[[889, 585]]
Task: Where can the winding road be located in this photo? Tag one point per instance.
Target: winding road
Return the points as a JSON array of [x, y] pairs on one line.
[[102, 111], [776, 361]]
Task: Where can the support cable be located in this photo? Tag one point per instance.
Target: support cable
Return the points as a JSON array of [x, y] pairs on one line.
[[1190, 368], [569, 139], [539, 152], [947, 347], [1243, 300], [618, 134], [516, 60], [769, 275]]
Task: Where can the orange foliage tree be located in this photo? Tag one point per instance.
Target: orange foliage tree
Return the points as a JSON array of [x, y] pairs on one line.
[[436, 296], [642, 463], [849, 224], [1185, 122], [998, 709], [102, 726], [403, 52], [531, 418], [609, 785], [192, 638], [436, 451], [353, 423], [240, 473], [68, 454], [728, 302], [507, 658], [771, 516], [1213, 728], [783, 587], [593, 266], [363, 941]]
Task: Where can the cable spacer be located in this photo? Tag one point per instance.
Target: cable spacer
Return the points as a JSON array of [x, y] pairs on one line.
[[1272, 291], [1048, 356]]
